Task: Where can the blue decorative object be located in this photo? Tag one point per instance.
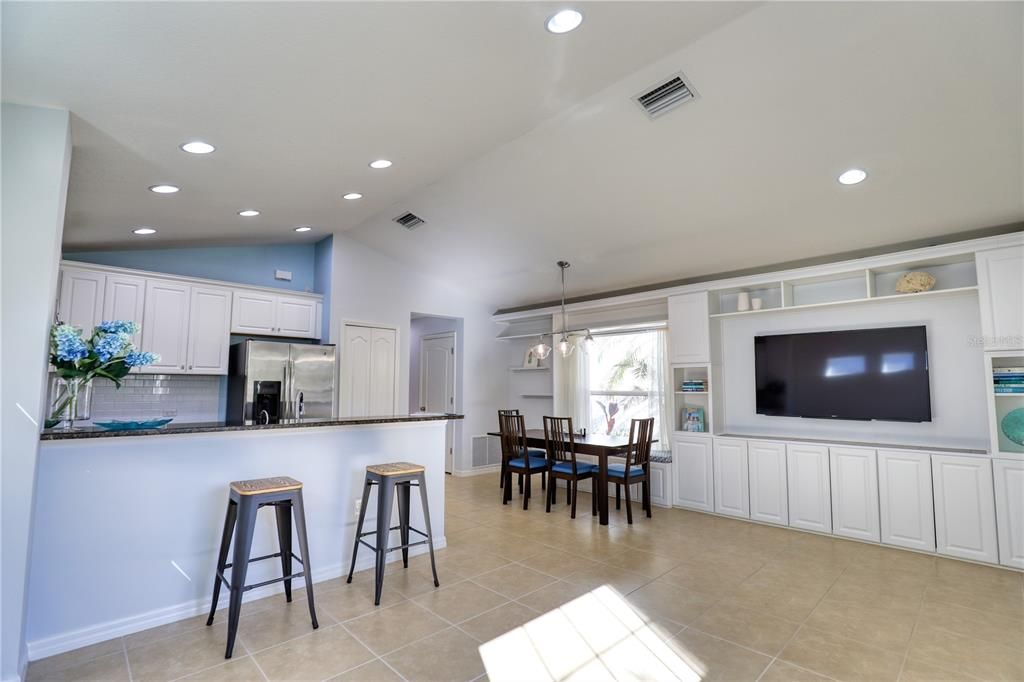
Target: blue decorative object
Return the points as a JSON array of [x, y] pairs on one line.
[[117, 425], [1013, 425]]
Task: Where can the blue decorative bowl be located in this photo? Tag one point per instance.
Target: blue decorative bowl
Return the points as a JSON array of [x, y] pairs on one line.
[[1013, 425], [117, 425]]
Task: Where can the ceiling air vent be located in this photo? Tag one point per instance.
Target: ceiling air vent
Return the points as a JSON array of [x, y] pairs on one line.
[[665, 96], [409, 221]]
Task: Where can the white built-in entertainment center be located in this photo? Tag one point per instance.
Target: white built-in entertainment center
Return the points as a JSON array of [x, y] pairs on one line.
[[952, 486]]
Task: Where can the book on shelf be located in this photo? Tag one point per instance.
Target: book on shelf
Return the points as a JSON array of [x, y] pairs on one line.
[[1008, 370], [1010, 389]]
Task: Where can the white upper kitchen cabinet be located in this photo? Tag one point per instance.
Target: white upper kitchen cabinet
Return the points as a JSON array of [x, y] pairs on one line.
[[209, 335], [854, 473], [80, 303], [906, 518], [296, 317], [254, 312], [768, 487], [1009, 486], [810, 501], [730, 474], [692, 463], [1001, 293], [165, 325], [965, 508], [688, 330], [124, 299]]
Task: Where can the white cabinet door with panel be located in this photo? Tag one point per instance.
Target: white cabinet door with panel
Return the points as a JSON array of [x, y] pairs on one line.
[[1001, 294], [768, 497], [688, 331], [906, 517], [730, 474], [368, 370], [296, 317], [965, 508], [165, 325], [810, 501], [1009, 486], [693, 487], [124, 298], [254, 312], [661, 484], [80, 303], [383, 355], [209, 334], [854, 473]]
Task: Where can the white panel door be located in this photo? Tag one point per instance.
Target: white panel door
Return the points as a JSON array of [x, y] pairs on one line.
[[437, 374], [81, 298], [165, 325], [383, 355], [355, 371], [1001, 294], [1009, 485], [296, 317], [124, 298], [906, 517], [768, 497], [694, 484], [810, 501], [209, 330], [732, 495], [854, 474], [254, 313], [965, 508], [689, 338]]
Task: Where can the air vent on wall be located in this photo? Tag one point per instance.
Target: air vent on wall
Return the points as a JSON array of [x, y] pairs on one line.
[[409, 221], [665, 96]]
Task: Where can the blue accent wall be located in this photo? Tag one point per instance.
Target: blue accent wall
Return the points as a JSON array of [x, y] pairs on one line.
[[323, 263], [253, 265]]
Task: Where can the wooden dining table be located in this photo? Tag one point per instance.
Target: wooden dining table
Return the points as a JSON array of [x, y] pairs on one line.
[[596, 445]]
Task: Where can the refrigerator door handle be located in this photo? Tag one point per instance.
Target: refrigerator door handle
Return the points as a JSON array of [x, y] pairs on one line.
[[286, 398]]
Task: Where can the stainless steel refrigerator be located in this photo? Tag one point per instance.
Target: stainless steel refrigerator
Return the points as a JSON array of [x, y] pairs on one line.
[[269, 381]]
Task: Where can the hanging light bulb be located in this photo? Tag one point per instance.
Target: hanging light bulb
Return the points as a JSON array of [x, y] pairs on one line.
[[541, 350], [565, 347], [587, 342]]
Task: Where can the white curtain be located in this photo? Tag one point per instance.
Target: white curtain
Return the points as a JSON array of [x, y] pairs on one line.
[[571, 382], [661, 391]]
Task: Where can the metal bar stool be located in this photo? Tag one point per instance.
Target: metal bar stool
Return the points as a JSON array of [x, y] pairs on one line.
[[389, 477], [246, 498]]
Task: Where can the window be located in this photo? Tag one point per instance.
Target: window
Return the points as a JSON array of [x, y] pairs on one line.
[[626, 381]]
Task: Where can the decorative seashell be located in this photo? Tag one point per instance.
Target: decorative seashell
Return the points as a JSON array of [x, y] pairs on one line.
[[915, 282]]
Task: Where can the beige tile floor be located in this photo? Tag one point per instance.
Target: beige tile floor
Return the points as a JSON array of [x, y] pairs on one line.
[[526, 595]]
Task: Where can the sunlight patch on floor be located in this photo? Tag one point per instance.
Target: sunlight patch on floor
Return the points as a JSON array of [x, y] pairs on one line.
[[597, 636]]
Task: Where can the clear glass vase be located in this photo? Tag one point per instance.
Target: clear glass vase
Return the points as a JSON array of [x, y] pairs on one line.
[[70, 402]]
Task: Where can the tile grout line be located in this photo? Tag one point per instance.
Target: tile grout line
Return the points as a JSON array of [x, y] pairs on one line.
[[127, 662], [256, 663], [375, 654]]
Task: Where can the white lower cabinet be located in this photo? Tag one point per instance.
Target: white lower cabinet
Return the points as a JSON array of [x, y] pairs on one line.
[[810, 500], [965, 512], [767, 474], [854, 474], [730, 477], [661, 484], [693, 487], [906, 518], [1009, 487]]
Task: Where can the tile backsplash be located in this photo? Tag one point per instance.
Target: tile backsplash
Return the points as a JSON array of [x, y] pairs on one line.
[[187, 398]]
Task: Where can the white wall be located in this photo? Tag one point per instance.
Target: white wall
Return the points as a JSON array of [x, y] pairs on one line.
[[955, 368], [372, 288], [36, 156]]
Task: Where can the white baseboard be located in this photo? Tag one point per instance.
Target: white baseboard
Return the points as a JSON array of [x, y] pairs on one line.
[[477, 471], [101, 632]]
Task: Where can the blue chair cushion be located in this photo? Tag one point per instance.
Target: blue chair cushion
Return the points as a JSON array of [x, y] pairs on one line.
[[535, 463], [619, 470], [582, 468], [536, 452]]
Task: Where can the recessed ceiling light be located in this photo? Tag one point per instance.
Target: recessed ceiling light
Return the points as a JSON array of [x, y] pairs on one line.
[[564, 21], [197, 147], [352, 196], [164, 189], [303, 228], [143, 230], [380, 163], [852, 176], [248, 213]]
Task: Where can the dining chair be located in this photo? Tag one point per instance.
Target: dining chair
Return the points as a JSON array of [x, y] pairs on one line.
[[637, 468], [562, 464], [533, 452], [516, 457]]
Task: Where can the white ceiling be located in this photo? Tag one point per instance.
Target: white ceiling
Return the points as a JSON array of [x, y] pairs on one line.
[[519, 147]]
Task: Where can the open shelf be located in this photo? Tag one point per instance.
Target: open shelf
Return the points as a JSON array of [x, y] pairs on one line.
[[696, 401], [1002, 404]]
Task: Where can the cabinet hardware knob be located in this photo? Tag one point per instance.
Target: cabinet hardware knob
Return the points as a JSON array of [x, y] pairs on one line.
[[183, 366], [190, 366]]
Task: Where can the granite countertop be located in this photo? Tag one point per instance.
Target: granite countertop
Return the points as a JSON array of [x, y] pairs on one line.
[[173, 428]]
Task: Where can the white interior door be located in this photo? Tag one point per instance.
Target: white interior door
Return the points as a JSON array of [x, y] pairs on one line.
[[437, 384]]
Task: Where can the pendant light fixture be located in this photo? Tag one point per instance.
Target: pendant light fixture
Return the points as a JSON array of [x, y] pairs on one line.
[[567, 338], [565, 347]]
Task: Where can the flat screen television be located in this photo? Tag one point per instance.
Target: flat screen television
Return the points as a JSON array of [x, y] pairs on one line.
[[856, 374]]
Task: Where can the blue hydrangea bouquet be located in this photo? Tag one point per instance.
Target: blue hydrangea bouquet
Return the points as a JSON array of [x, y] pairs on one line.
[[108, 353]]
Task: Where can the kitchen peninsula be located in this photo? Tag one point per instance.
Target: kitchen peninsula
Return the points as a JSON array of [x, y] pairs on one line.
[[128, 522]]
